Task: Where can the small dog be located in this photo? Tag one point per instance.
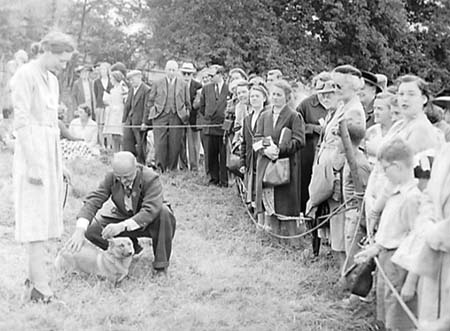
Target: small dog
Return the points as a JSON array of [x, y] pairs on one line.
[[114, 263]]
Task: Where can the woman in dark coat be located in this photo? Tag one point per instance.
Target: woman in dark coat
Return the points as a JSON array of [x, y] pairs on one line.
[[313, 110], [258, 100], [277, 120]]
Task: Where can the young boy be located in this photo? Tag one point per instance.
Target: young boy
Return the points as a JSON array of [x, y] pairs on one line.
[[397, 220]]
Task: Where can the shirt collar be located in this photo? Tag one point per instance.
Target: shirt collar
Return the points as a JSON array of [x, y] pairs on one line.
[[315, 101], [406, 187]]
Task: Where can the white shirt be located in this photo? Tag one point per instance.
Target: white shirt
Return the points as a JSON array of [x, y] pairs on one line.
[[104, 83], [399, 215], [86, 132], [135, 89], [275, 116], [219, 87]]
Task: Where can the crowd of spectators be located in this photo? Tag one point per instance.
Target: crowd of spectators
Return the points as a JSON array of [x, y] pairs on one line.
[[290, 150]]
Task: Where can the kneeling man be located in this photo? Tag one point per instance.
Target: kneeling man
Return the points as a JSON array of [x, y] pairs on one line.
[[137, 210]]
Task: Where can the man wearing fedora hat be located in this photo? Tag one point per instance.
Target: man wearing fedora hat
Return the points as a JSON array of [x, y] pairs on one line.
[[135, 115], [192, 133], [170, 106], [82, 90], [367, 95]]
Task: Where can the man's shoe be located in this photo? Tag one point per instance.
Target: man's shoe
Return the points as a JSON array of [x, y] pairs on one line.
[[138, 251], [213, 182], [159, 272]]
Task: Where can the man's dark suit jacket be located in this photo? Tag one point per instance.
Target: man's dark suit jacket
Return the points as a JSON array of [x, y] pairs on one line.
[[98, 92], [158, 99], [146, 197], [136, 106], [213, 107], [193, 88], [78, 93]]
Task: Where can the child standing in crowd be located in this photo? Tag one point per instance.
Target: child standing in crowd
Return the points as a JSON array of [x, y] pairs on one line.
[[397, 220]]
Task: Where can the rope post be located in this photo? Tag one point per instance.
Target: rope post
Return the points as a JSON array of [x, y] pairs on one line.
[[350, 155], [351, 160]]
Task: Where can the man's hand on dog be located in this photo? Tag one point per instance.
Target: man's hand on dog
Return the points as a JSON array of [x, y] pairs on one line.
[[75, 242], [112, 230]]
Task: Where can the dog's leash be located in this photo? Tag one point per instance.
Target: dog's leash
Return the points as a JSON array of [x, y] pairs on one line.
[[66, 191]]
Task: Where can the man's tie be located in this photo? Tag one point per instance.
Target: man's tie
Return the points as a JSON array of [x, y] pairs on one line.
[[217, 91]]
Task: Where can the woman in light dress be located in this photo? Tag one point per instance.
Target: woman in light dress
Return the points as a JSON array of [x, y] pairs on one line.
[[38, 168], [115, 101]]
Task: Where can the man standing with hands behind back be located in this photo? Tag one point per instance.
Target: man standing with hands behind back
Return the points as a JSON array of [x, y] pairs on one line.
[[213, 103], [169, 106], [135, 114], [137, 210]]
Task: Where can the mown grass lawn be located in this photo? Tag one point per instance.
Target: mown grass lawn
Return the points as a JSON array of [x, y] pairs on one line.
[[224, 275]]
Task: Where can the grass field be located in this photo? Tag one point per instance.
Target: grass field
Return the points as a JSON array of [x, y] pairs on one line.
[[224, 275]]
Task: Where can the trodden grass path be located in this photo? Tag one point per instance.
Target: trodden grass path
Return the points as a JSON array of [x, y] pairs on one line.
[[224, 275]]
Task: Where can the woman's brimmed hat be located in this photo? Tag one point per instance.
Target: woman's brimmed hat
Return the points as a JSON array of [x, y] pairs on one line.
[[240, 71], [261, 87]]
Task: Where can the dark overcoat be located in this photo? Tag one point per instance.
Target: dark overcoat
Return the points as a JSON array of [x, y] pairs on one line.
[[287, 197], [311, 110]]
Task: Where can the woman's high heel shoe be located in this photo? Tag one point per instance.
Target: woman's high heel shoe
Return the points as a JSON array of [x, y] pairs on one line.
[[34, 295], [38, 296]]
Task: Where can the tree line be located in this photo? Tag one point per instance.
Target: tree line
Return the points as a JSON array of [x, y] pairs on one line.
[[300, 37]]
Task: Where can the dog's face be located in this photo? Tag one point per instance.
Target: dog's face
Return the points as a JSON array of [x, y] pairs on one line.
[[121, 247]]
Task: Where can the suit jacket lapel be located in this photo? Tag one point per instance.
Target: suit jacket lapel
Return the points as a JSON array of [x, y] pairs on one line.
[[281, 119], [269, 123], [248, 123], [138, 94], [119, 195], [223, 93], [136, 190]]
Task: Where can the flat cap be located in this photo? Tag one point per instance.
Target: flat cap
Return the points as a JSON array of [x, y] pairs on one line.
[[132, 73]]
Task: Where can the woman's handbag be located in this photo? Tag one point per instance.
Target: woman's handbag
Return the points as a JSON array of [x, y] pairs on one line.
[[233, 162], [277, 173], [322, 183], [360, 278]]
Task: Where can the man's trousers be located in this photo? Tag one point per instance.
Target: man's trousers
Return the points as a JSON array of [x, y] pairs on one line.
[[161, 230]]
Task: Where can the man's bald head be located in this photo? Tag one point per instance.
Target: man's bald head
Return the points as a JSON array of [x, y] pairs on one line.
[[124, 164], [171, 69]]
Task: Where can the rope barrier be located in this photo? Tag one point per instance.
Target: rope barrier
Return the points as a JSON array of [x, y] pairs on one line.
[[402, 303], [338, 210], [397, 295], [326, 218], [181, 126]]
